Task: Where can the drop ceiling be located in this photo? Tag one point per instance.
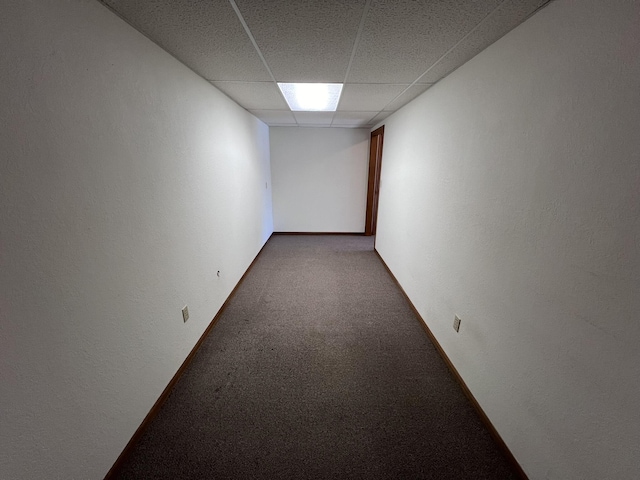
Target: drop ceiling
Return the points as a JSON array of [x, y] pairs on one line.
[[386, 52]]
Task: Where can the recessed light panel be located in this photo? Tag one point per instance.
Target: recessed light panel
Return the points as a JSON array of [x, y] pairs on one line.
[[312, 97]]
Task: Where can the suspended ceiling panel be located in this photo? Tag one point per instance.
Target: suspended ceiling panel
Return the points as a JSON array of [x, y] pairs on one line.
[[276, 117], [205, 35], [254, 95], [386, 52], [314, 118], [501, 21], [353, 119], [408, 95], [402, 38], [379, 118], [368, 97], [304, 41]]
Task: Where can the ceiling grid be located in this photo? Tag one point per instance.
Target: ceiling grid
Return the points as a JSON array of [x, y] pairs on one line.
[[355, 47], [385, 52]]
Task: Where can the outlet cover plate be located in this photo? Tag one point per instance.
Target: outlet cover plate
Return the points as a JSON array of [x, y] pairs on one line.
[[185, 314], [456, 323]]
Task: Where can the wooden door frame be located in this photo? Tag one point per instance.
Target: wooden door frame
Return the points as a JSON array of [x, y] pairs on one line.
[[373, 190]]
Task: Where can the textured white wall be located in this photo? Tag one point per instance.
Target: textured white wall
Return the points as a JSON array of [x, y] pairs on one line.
[[511, 196], [319, 179], [126, 182]]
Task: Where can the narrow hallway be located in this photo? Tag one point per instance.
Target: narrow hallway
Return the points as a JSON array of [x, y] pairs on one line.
[[317, 368]]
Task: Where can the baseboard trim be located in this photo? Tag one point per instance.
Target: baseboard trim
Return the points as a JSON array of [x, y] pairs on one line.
[[319, 233], [115, 469], [483, 416]]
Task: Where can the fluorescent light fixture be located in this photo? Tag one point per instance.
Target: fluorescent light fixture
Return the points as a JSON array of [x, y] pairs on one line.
[[311, 97]]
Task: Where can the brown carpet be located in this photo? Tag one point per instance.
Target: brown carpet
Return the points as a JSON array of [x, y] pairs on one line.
[[317, 369]]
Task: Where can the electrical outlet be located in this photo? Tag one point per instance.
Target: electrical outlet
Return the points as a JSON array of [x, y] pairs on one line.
[[185, 313], [456, 323]]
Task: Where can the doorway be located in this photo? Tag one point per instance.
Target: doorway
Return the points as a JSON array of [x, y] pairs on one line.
[[375, 161]]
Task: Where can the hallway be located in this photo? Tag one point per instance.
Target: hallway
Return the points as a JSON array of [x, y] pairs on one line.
[[317, 368]]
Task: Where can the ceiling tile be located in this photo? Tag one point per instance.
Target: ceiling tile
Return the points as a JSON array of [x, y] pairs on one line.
[[314, 118], [312, 41], [205, 35], [358, 97], [378, 118], [506, 17], [406, 97], [304, 41], [353, 119], [254, 95], [275, 117], [402, 38]]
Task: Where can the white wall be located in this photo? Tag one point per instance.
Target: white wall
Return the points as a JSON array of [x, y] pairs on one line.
[[319, 179], [511, 196], [126, 182]]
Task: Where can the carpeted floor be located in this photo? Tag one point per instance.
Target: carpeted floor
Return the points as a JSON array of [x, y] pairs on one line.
[[317, 369]]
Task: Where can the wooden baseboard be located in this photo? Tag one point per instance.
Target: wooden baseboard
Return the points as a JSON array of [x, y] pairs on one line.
[[483, 416], [319, 233], [113, 472]]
